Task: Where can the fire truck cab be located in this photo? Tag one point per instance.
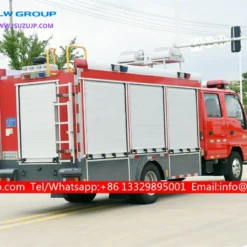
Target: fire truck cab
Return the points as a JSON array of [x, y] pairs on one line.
[[223, 131], [118, 122]]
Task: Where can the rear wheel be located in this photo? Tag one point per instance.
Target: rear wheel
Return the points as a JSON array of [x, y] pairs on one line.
[[149, 173], [79, 198], [235, 167]]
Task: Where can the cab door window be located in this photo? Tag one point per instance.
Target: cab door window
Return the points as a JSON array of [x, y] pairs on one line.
[[234, 109], [212, 105]]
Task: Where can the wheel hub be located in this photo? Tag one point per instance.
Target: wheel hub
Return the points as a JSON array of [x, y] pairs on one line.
[[236, 168], [150, 176]]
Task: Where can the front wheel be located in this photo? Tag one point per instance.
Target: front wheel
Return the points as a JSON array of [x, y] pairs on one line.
[[235, 167], [149, 173], [79, 198]]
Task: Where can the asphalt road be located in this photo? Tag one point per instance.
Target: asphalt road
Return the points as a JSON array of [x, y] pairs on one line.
[[174, 220]]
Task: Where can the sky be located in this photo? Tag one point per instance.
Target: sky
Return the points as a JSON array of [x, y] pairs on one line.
[[108, 27]]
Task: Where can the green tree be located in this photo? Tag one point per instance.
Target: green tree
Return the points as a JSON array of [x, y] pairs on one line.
[[235, 86], [61, 59], [21, 48]]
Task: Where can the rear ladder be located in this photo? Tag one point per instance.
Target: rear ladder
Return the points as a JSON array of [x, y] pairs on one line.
[[69, 122]]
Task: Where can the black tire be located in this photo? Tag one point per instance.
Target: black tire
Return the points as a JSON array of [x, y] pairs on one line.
[[234, 167], [146, 198], [131, 198], [79, 198]]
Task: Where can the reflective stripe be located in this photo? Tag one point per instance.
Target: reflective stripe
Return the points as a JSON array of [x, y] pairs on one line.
[[185, 175]]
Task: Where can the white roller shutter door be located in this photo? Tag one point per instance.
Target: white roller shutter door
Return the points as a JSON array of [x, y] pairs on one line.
[[37, 118], [147, 117], [105, 118], [182, 118]]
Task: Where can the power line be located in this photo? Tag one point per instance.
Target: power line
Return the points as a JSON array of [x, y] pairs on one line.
[[161, 16], [140, 16], [119, 14], [154, 27], [151, 27]]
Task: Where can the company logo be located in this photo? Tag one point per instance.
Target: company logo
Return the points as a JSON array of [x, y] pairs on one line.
[[28, 13]]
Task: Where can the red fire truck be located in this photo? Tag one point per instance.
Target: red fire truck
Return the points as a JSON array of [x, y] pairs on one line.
[[118, 122]]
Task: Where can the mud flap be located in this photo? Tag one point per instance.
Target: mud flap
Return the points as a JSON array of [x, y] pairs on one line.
[[67, 172], [224, 166], [221, 168]]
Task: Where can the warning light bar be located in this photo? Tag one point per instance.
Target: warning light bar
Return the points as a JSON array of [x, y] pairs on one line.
[[220, 84], [37, 71], [182, 75], [119, 68], [41, 74]]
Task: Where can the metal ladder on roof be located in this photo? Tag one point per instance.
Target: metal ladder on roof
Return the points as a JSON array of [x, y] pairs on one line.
[[69, 123]]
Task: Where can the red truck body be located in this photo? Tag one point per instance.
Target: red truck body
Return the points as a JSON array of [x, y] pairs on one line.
[[220, 127]]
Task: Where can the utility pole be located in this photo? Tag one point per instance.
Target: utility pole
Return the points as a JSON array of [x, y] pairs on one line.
[[178, 30], [11, 16], [240, 72], [177, 17]]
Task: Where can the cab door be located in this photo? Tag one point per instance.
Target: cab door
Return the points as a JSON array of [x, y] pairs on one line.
[[215, 127], [236, 123]]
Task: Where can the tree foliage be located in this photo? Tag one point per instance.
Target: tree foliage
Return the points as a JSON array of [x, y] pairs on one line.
[[21, 49], [61, 60], [236, 87]]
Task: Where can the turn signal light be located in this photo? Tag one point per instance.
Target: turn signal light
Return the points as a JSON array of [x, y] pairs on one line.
[[5, 179], [70, 179], [26, 76]]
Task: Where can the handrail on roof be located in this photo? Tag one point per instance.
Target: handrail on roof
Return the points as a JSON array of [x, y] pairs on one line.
[[48, 60], [68, 55]]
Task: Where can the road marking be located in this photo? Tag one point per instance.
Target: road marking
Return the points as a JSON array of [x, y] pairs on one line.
[[39, 215], [59, 215]]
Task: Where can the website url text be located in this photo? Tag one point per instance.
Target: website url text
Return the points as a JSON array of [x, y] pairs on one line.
[[26, 25]]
